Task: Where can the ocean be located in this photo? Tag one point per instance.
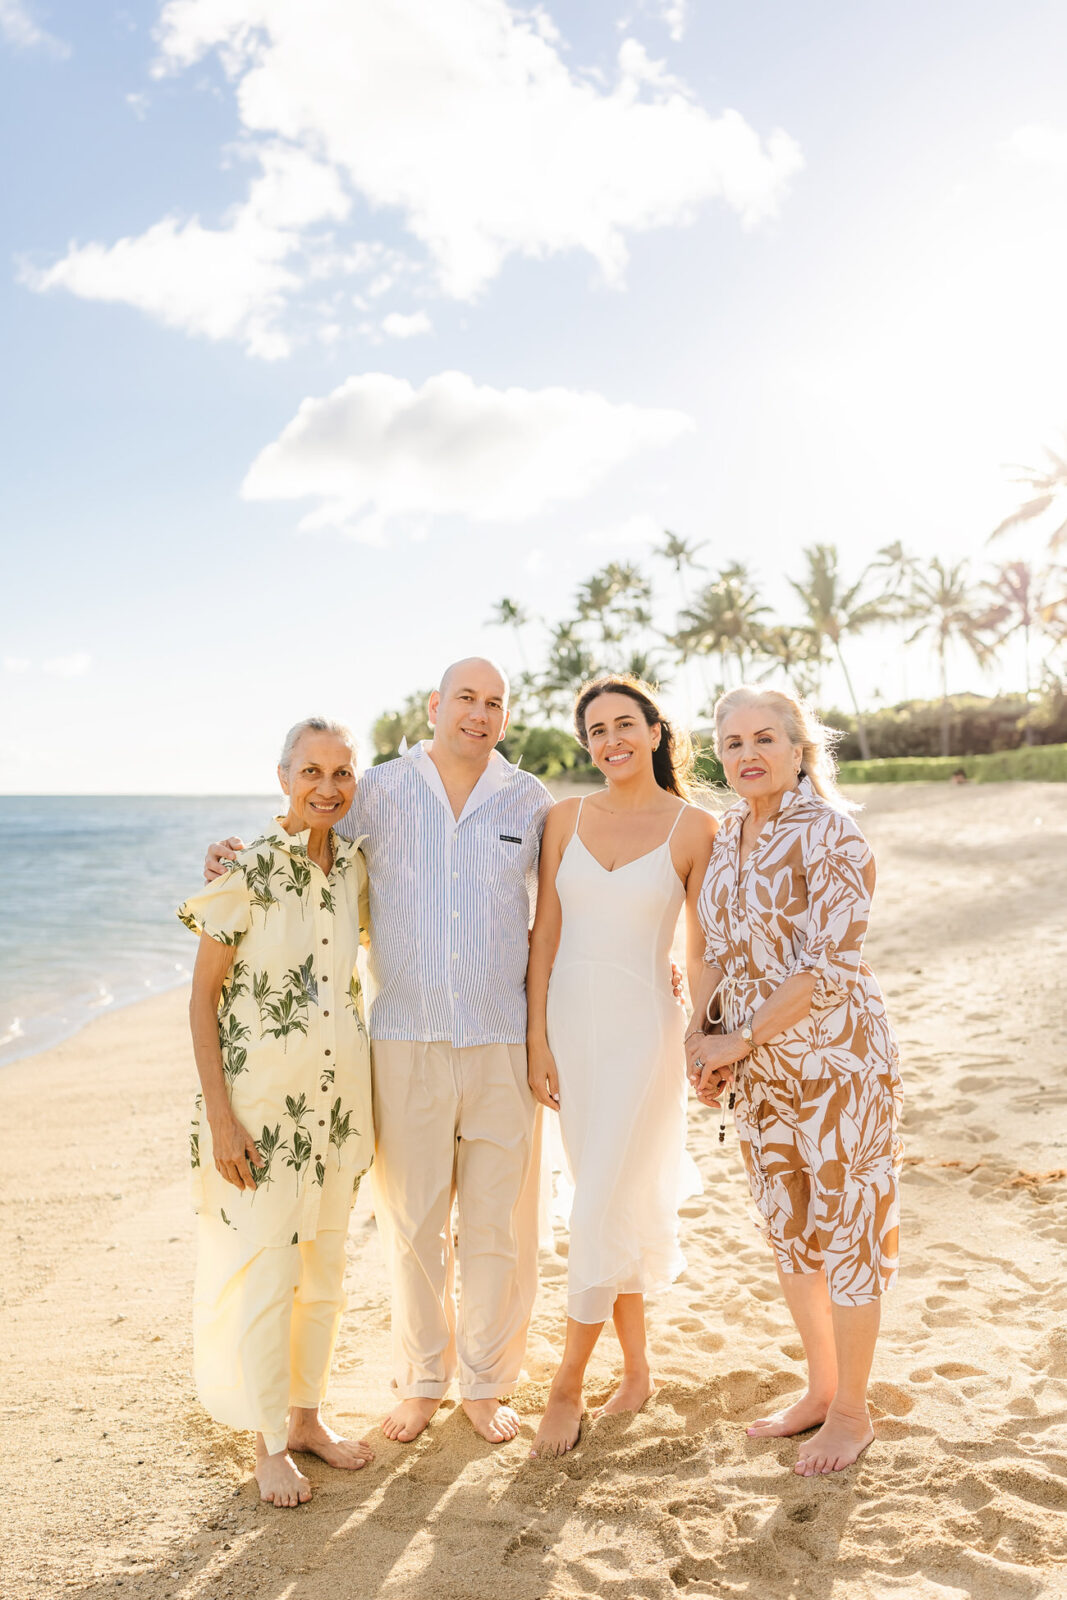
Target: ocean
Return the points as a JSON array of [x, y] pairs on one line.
[[88, 891]]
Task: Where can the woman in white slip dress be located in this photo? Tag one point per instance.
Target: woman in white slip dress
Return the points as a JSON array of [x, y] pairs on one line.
[[605, 1036]]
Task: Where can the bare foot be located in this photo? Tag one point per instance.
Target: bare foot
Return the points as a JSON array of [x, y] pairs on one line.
[[310, 1434], [281, 1483], [807, 1412], [839, 1442], [560, 1426], [494, 1421], [408, 1418], [633, 1390]]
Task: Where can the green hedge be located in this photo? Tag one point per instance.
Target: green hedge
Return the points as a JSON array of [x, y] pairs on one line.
[[1040, 762]]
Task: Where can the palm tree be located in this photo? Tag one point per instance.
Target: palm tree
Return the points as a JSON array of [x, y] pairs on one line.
[[951, 613], [616, 600], [682, 557], [511, 614], [797, 652], [834, 611], [1027, 601], [569, 664], [724, 620], [1049, 486]]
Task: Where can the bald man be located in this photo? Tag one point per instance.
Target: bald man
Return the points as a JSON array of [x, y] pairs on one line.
[[451, 833]]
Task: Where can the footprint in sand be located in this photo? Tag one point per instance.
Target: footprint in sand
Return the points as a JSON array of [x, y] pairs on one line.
[[959, 1369]]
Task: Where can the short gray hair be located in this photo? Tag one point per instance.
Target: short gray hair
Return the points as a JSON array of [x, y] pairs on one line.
[[313, 725]]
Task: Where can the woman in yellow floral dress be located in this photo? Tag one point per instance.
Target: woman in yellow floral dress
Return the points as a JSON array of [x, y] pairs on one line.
[[808, 1048], [283, 1125]]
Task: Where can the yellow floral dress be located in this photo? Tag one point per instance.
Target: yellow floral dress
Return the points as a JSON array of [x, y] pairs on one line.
[[294, 1045], [818, 1108]]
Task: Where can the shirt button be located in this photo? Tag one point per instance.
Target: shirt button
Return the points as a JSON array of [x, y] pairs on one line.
[[455, 874], [325, 977], [326, 1052], [322, 1122], [326, 1013], [326, 941], [455, 994], [455, 915]]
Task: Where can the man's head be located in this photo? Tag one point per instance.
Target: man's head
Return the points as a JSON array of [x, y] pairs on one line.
[[469, 711]]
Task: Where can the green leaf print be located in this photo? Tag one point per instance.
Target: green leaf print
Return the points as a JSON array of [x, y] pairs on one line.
[[355, 1001], [297, 1109], [300, 880], [226, 1220], [236, 985], [261, 993], [270, 1145], [340, 866], [340, 1129], [326, 1078], [232, 1033], [326, 901], [300, 1154], [194, 1146], [302, 981], [320, 1172], [287, 1017], [259, 879]]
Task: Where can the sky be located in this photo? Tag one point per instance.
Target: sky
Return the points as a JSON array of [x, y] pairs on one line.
[[328, 323]]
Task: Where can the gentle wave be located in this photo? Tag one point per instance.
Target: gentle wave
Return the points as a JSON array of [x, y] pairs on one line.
[[90, 889]]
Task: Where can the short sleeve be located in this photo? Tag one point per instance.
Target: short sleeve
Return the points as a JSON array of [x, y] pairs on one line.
[[221, 909], [839, 869]]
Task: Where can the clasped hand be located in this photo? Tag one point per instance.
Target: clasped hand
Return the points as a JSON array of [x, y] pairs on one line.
[[710, 1060], [234, 1148]]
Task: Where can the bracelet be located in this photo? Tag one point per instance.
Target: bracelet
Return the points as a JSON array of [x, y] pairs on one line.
[[696, 1032]]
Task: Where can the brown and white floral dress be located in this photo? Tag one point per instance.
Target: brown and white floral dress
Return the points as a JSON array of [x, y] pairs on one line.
[[818, 1108]]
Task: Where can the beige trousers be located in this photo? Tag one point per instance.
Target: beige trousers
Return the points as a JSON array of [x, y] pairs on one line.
[[264, 1326], [457, 1124]]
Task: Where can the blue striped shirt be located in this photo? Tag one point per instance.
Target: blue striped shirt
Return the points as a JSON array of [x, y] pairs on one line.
[[450, 901]]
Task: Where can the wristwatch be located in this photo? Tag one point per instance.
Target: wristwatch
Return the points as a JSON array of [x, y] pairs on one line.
[[745, 1031]]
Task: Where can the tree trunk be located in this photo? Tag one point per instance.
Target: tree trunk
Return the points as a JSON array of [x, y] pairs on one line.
[[944, 704], [861, 731]]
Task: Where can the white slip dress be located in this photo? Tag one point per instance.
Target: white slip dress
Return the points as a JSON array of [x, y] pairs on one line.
[[616, 1033]]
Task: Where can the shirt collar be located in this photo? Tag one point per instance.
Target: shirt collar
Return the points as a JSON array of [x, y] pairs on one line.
[[499, 772], [296, 844], [791, 797]]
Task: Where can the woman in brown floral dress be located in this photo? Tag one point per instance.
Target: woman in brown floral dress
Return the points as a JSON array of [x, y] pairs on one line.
[[808, 1048]]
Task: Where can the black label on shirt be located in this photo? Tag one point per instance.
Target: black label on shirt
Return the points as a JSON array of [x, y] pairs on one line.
[[510, 838]]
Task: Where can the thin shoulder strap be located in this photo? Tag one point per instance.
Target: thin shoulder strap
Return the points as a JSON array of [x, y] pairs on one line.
[[681, 810], [578, 818]]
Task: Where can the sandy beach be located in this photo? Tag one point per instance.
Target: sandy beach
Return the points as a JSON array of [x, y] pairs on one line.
[[117, 1484]]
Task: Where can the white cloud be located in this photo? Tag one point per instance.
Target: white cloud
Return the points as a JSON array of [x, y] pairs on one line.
[[462, 119], [1040, 143], [18, 27], [223, 283], [398, 326], [74, 666], [377, 449], [465, 117], [17, 664]]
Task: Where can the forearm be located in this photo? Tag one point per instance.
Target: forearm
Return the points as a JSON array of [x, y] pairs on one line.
[[203, 1024], [704, 979], [542, 955], [789, 1004]]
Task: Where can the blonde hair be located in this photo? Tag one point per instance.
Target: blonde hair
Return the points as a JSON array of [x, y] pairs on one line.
[[801, 725]]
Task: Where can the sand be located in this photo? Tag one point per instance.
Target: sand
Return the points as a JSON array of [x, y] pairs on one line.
[[116, 1484]]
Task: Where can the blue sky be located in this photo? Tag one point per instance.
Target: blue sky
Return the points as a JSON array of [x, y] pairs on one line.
[[322, 334]]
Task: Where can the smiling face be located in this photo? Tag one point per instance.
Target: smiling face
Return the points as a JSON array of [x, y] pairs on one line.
[[469, 712], [759, 761], [320, 782], [620, 740]]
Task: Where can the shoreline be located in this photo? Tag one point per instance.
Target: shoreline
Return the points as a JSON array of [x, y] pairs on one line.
[[118, 1485]]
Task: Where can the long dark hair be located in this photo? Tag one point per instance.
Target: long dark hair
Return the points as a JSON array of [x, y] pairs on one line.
[[672, 760]]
